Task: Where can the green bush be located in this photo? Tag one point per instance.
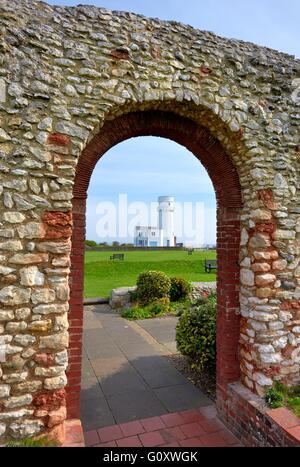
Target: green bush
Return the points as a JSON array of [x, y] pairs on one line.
[[152, 285], [161, 306], [90, 243], [180, 289], [196, 334]]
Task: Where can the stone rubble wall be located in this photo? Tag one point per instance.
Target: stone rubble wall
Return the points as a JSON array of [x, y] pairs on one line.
[[121, 296], [65, 72]]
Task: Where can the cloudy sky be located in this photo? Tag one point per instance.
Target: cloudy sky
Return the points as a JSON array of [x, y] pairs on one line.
[[144, 168]]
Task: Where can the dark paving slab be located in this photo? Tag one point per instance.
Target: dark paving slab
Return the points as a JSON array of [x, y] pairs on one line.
[[135, 405], [162, 329], [125, 375], [181, 397], [95, 413], [124, 382], [162, 376]]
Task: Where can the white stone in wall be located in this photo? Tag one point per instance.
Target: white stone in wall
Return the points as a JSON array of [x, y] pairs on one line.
[[26, 428], [263, 380], [55, 383], [31, 276], [12, 295], [18, 401], [57, 341], [13, 217], [4, 390], [247, 277], [43, 296]]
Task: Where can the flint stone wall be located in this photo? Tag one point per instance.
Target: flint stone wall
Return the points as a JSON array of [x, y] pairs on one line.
[[120, 297], [65, 73]]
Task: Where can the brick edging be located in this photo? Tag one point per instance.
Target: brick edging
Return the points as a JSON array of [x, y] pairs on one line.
[[249, 418]]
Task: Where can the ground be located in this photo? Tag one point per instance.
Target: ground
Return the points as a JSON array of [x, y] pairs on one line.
[[102, 274], [132, 395]]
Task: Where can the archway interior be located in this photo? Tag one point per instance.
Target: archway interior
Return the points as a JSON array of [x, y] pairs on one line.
[[228, 194], [123, 194]]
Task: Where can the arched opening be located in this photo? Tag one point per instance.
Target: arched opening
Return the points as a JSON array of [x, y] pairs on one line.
[[228, 194]]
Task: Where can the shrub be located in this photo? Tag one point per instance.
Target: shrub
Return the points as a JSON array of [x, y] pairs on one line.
[[161, 306], [180, 289], [136, 312], [152, 285], [196, 334], [90, 243], [158, 307]]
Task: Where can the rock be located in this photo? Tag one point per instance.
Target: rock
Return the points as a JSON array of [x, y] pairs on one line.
[[14, 327], [13, 217], [24, 339], [61, 358], [22, 313], [11, 245], [38, 326], [280, 182], [49, 309], [29, 258], [55, 247], [4, 390], [4, 271], [260, 267], [45, 124], [57, 416], [279, 265], [265, 279], [32, 230], [260, 240], [263, 380], [42, 296], [18, 401], [247, 277], [26, 428], [4, 136], [2, 425], [57, 341], [12, 295], [55, 383], [31, 276], [48, 372], [28, 387]]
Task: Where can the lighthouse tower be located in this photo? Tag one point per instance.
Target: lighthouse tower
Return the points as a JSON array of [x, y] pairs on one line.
[[166, 219]]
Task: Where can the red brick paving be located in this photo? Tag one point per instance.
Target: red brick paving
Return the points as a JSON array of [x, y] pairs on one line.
[[154, 438], [131, 442], [132, 428], [189, 428], [153, 423]]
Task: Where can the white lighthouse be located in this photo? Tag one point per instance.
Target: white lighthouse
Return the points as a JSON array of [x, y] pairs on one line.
[[166, 219], [163, 234]]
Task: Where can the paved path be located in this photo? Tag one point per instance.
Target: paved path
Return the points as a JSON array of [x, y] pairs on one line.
[[127, 380]]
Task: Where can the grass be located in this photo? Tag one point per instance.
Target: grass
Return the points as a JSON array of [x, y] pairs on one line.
[[282, 396], [102, 275], [42, 442]]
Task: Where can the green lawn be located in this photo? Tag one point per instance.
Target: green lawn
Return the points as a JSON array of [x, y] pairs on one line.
[[102, 275]]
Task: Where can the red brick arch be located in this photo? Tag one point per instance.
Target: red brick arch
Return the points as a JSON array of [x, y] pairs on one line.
[[225, 179]]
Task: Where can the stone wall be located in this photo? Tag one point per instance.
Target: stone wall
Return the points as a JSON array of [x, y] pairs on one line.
[[254, 423], [76, 81], [120, 297]]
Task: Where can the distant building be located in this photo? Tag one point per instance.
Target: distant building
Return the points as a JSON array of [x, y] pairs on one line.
[[163, 235]]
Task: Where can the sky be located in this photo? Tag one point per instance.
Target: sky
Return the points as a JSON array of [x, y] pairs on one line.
[[145, 168]]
